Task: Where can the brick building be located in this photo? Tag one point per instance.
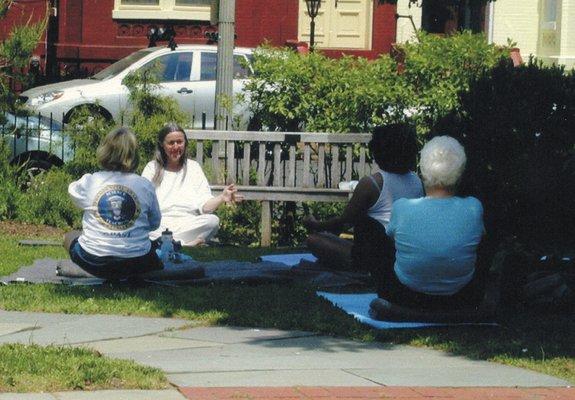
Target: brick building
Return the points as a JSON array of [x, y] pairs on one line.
[[84, 36]]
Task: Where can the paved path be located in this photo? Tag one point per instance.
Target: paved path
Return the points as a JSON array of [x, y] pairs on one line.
[[223, 362]]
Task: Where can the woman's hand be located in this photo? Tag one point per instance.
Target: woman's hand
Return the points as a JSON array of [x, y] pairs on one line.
[[230, 195]]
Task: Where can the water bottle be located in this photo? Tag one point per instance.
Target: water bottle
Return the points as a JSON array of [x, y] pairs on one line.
[[167, 247]]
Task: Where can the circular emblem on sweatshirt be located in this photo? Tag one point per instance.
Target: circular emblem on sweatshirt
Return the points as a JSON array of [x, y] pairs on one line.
[[117, 207]]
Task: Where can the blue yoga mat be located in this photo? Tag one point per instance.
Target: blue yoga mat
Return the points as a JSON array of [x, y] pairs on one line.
[[358, 306]]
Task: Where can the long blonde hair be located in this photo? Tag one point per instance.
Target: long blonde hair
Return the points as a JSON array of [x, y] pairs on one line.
[[118, 151]]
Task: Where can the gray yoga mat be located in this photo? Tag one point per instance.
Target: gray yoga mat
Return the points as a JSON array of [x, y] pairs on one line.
[[63, 271], [187, 270]]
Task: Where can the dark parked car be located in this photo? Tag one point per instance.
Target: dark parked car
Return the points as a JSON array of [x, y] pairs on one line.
[[36, 141]]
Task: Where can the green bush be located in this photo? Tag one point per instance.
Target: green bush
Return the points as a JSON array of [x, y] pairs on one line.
[[85, 130], [47, 201], [240, 224], [293, 92], [437, 69], [516, 124], [9, 185]]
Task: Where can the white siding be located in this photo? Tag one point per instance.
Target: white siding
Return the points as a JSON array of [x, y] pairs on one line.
[[517, 20], [405, 30], [567, 33]]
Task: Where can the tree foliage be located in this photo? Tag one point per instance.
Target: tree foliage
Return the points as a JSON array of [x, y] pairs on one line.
[[15, 53]]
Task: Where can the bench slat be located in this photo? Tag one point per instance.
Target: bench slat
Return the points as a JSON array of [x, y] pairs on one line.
[[348, 162], [281, 193], [291, 167], [200, 152], [361, 167], [262, 164], [230, 162], [335, 174], [279, 137], [246, 164], [321, 166], [306, 166], [277, 165], [216, 161]]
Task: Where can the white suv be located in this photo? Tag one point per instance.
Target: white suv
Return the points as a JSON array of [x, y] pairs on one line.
[[187, 74]]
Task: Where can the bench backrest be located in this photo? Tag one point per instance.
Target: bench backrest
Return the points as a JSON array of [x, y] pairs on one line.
[[286, 159]]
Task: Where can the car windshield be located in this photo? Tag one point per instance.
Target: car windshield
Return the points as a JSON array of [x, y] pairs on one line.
[[121, 65]]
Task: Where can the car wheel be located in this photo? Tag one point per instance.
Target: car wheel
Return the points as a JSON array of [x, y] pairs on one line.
[[33, 166], [36, 167], [94, 113]]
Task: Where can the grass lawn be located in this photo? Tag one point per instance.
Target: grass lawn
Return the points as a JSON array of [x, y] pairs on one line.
[[31, 368], [541, 342]]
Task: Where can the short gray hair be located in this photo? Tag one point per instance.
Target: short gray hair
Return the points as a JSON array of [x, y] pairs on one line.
[[442, 162]]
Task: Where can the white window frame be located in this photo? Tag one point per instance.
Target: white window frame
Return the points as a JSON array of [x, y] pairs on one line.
[[166, 9]]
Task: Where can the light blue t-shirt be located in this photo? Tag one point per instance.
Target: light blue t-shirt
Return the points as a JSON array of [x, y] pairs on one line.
[[436, 242]]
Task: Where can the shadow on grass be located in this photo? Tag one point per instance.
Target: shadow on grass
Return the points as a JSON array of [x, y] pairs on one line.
[[533, 340]]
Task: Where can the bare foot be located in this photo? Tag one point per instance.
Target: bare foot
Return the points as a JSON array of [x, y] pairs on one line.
[[194, 243]]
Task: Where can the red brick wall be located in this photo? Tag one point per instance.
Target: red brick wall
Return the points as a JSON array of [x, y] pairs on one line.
[[260, 20]]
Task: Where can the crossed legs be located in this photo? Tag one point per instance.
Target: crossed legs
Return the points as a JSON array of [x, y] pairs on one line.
[[191, 230]]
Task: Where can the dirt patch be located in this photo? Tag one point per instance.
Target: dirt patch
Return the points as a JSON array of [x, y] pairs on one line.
[[29, 231]]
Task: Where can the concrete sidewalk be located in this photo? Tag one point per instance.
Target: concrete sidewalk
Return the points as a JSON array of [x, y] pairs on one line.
[[277, 363]]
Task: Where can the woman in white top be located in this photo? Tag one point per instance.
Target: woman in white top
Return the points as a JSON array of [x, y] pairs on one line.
[[120, 209], [394, 149], [185, 198]]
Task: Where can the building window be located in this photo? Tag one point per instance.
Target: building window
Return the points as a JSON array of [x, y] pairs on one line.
[[550, 14], [162, 9]]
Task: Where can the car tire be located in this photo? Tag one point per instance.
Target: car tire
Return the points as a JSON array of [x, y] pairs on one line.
[[33, 165], [95, 111]]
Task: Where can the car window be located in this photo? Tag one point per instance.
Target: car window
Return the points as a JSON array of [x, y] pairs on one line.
[[210, 61], [171, 67], [119, 66]]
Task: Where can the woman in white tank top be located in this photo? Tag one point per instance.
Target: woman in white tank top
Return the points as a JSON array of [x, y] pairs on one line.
[[394, 149]]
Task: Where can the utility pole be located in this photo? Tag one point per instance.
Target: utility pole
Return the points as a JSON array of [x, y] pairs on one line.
[[225, 66]]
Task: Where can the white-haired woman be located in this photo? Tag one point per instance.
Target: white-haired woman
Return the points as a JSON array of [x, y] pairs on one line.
[[436, 237]]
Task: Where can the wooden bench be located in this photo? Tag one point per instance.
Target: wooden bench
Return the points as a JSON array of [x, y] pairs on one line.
[[281, 166]]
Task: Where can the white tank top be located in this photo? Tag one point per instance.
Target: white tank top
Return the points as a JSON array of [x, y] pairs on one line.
[[395, 187]]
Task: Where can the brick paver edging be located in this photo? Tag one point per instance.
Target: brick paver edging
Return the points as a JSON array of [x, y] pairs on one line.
[[385, 392]]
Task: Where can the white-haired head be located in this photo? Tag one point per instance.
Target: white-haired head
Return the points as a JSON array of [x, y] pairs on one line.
[[442, 162]]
